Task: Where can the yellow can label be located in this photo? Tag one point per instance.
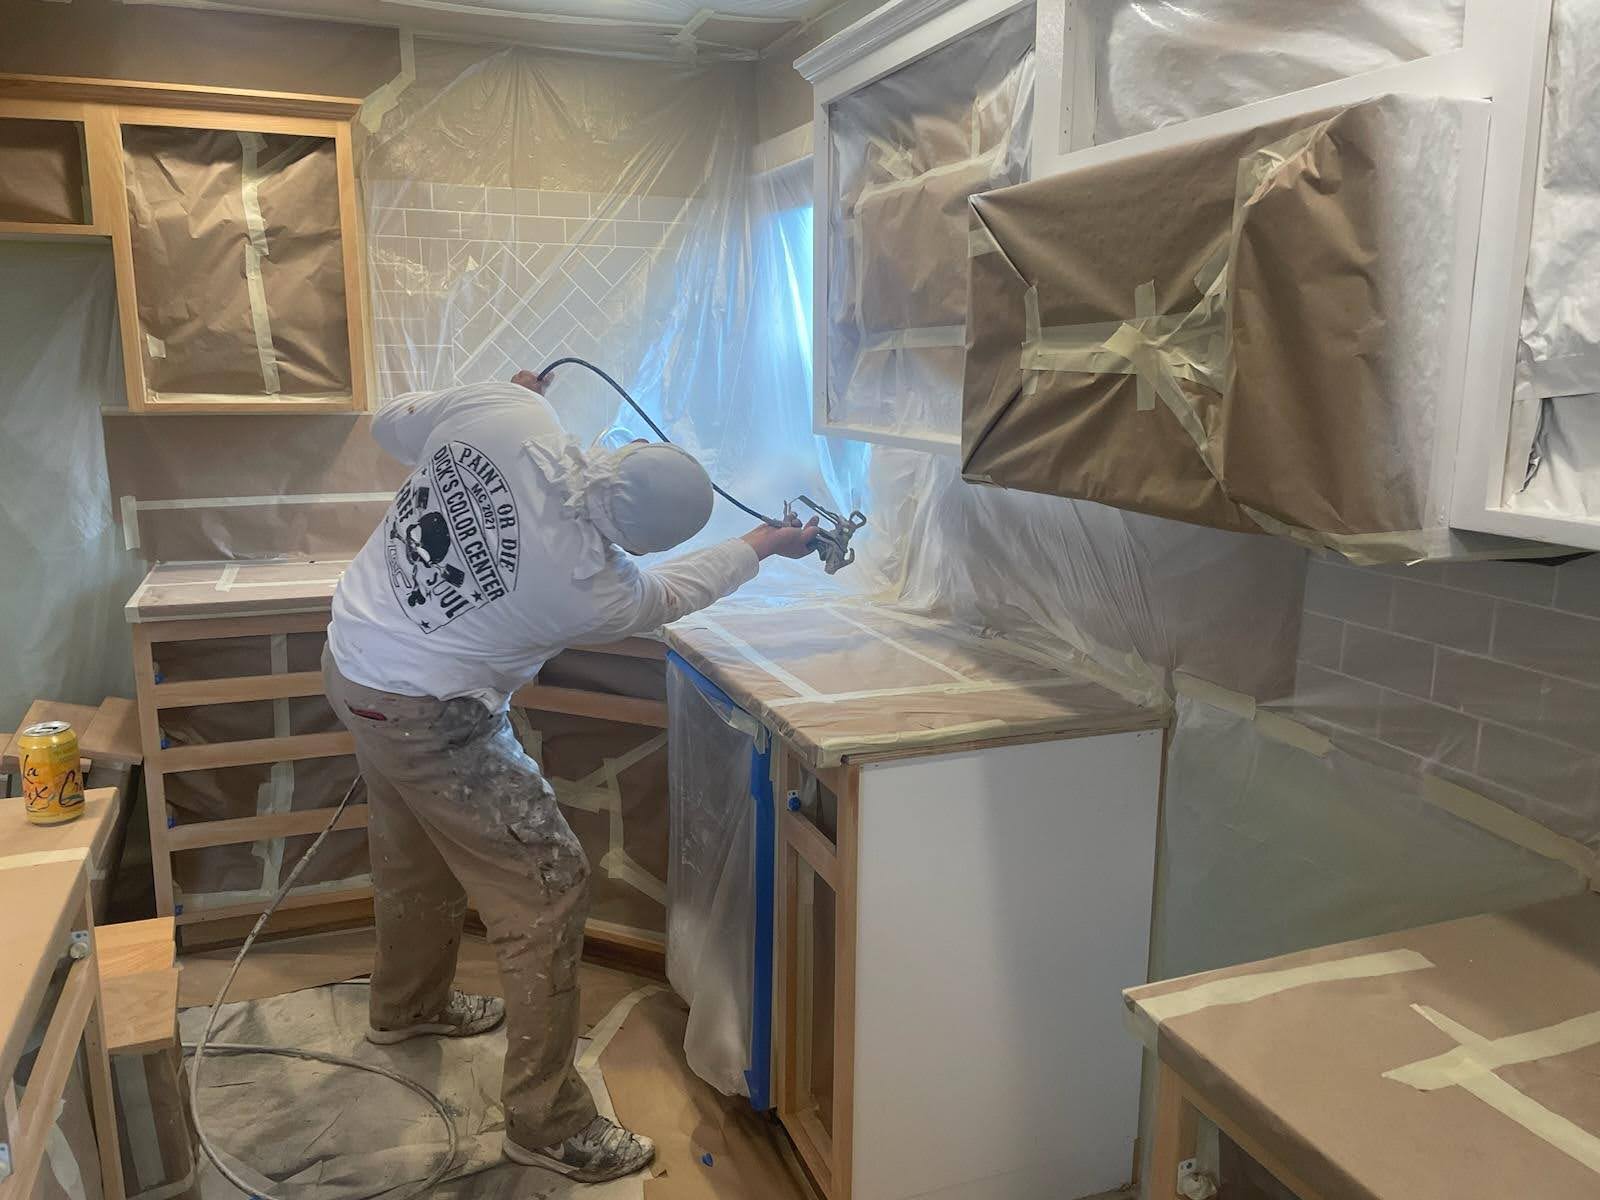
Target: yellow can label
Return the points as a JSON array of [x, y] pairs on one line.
[[52, 782]]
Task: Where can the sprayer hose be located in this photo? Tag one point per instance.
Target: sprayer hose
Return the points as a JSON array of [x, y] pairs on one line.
[[659, 432], [205, 1044]]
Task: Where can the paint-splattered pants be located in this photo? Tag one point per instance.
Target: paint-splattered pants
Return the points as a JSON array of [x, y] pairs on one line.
[[458, 812]]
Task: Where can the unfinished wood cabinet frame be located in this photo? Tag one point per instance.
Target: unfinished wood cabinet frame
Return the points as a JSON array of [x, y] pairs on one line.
[[78, 1021], [155, 698], [104, 107], [1179, 1105], [829, 1157]]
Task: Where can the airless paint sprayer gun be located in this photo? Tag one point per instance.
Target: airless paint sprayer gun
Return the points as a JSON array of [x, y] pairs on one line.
[[833, 538]]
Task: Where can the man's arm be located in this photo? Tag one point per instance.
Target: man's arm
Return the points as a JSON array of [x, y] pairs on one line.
[[660, 595]]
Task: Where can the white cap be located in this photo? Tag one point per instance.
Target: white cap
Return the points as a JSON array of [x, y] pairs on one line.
[[647, 498]]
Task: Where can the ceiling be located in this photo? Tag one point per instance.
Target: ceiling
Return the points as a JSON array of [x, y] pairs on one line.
[[724, 27]]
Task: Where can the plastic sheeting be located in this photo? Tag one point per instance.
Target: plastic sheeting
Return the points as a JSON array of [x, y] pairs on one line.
[[238, 264], [907, 151], [711, 883], [1159, 62], [1133, 594], [1268, 848], [70, 1169], [66, 571], [1553, 456], [525, 205]]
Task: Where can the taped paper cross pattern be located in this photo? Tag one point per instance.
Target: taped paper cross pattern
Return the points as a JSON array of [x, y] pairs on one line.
[[1472, 1064], [1160, 350]]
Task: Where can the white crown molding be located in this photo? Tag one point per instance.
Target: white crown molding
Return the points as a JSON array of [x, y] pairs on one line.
[[871, 32]]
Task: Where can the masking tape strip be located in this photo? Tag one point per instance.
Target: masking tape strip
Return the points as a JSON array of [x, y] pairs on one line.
[[903, 649], [980, 241], [1243, 989], [756, 659], [614, 831], [384, 100], [1507, 824], [154, 346], [130, 522], [904, 181], [137, 1115], [1478, 1055], [34, 858], [252, 502], [255, 249], [977, 687], [1472, 1065], [1292, 733], [226, 578], [610, 1024], [1269, 724], [619, 864], [281, 779]]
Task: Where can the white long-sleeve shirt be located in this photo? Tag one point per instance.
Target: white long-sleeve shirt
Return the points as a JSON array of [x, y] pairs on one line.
[[472, 581]]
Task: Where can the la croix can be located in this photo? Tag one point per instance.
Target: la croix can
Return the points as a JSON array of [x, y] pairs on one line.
[[52, 783]]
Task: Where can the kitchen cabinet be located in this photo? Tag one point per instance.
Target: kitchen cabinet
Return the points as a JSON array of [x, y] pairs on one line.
[[917, 106], [232, 221], [245, 760], [1508, 444], [965, 844]]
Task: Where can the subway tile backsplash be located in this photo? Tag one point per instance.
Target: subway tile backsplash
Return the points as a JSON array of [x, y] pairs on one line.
[[1488, 673], [473, 282]]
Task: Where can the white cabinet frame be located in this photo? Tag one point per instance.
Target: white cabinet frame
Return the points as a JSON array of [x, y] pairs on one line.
[[1502, 58], [894, 36]]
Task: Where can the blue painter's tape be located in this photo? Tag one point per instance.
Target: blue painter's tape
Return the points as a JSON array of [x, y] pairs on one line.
[[759, 1077]]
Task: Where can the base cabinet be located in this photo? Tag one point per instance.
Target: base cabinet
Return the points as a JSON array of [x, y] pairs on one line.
[[954, 931]]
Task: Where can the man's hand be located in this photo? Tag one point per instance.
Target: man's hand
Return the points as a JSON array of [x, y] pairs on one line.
[[530, 381], [790, 541]]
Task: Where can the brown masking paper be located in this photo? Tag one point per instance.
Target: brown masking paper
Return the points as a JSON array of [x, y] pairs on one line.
[[1312, 1068]]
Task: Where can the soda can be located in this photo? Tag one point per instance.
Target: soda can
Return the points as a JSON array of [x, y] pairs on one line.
[[52, 783]]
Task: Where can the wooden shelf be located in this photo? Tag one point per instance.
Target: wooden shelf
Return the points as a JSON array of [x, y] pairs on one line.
[[177, 95]]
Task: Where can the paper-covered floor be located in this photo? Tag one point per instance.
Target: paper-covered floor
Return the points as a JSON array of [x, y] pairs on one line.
[[319, 1132]]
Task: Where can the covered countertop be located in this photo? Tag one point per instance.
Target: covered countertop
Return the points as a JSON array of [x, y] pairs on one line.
[[247, 588], [1445, 1062], [847, 681], [839, 679]]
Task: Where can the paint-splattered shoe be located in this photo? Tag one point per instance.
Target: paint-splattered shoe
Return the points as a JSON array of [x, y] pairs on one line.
[[601, 1150], [464, 1015]]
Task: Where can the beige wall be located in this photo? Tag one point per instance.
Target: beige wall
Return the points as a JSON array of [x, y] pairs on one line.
[[108, 40], [784, 101]]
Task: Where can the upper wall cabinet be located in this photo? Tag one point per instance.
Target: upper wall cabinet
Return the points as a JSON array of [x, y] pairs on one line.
[[233, 225], [919, 106], [1312, 267]]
